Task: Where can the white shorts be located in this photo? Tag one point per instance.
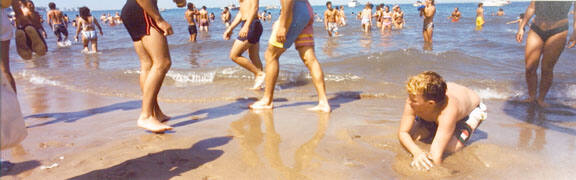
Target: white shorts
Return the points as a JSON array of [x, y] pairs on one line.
[[5, 26], [333, 27], [365, 21]]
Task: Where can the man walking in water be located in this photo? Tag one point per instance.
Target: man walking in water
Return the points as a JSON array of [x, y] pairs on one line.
[[56, 21], [294, 26], [191, 18], [148, 31], [226, 16], [428, 13], [330, 22], [248, 39]]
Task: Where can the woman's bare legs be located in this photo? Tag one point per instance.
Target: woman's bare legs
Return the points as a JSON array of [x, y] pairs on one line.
[[552, 50], [532, 55]]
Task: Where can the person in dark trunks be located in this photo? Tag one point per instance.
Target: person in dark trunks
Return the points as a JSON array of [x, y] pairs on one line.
[[148, 31], [447, 113], [191, 15], [544, 44], [57, 22], [248, 40]]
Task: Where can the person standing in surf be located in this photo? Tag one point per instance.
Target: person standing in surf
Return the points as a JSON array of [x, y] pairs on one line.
[[148, 31], [428, 13], [57, 22], [544, 44]]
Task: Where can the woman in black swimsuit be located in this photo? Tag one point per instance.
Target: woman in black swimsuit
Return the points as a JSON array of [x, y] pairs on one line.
[[148, 30], [547, 40]]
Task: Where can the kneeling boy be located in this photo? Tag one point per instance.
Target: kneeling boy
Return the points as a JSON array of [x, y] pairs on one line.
[[446, 112]]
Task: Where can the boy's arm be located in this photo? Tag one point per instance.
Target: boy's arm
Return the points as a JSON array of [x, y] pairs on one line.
[[252, 12], [326, 19], [446, 125], [421, 159], [78, 28]]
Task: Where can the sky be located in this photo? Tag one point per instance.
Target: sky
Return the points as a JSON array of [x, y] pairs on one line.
[[168, 4]]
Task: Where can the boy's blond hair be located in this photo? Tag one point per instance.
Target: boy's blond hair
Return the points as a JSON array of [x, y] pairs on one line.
[[428, 84]]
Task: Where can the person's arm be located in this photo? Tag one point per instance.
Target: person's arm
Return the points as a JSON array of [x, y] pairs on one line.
[[252, 12], [527, 16], [49, 18], [326, 19], [572, 40], [151, 9], [285, 14], [446, 125], [514, 22], [232, 26], [98, 25], [80, 22], [421, 160]]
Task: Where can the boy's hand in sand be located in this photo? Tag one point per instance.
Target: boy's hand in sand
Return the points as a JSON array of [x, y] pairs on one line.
[[422, 162], [166, 27], [572, 41], [520, 35]]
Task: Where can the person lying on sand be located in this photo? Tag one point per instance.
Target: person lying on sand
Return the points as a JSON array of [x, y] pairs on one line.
[[446, 113]]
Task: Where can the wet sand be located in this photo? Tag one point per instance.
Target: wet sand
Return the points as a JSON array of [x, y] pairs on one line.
[[85, 136]]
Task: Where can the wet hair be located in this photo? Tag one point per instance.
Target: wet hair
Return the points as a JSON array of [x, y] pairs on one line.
[[84, 13], [480, 4], [500, 9], [51, 5], [190, 6], [204, 7], [226, 8], [328, 3], [430, 85], [522, 15]]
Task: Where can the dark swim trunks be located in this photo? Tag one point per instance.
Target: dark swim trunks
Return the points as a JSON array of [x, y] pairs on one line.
[[136, 21], [60, 29], [192, 29], [462, 131], [254, 32]]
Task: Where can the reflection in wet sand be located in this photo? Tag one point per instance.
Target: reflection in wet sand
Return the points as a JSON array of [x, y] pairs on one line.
[[536, 117], [366, 42], [248, 132], [92, 62], [329, 47], [194, 55]]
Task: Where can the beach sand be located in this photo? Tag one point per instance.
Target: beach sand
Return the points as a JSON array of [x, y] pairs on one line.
[[85, 136]]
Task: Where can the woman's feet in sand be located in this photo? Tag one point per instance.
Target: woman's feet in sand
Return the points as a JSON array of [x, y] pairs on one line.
[[161, 116], [322, 107], [261, 104], [152, 124], [258, 81]]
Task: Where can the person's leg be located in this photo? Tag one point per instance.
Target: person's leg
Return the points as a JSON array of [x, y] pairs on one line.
[[193, 37], [238, 48], [85, 44], [272, 66], [145, 66], [156, 47], [532, 55], [309, 58], [94, 44], [5, 63], [254, 54], [552, 50]]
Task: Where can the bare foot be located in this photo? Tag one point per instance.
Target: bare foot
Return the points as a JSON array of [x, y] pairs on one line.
[[527, 100], [152, 124], [258, 81], [261, 105], [161, 116], [320, 108], [543, 104]]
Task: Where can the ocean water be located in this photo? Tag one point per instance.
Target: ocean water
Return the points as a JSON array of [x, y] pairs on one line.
[[376, 64]]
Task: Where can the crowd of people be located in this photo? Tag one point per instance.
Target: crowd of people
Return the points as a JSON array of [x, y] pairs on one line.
[[451, 111]]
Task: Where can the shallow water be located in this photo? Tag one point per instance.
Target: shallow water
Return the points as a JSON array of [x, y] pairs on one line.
[[376, 64]]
